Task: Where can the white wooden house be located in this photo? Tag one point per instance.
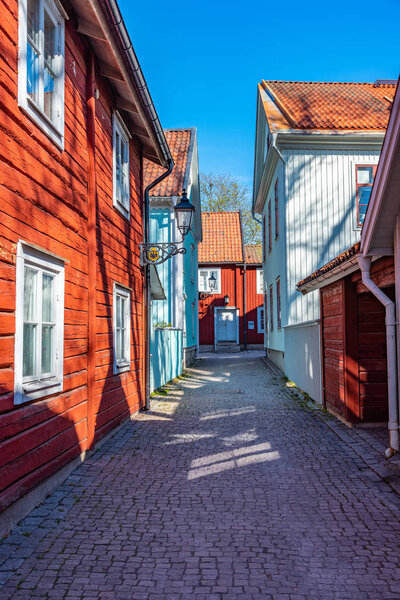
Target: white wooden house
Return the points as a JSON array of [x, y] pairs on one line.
[[317, 147]]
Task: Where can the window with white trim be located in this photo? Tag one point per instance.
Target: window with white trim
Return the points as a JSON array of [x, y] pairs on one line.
[[204, 276], [121, 329], [41, 65], [260, 281], [260, 319], [39, 322], [121, 191]]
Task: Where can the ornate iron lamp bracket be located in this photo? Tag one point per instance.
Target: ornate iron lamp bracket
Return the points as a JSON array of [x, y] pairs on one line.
[[159, 252]]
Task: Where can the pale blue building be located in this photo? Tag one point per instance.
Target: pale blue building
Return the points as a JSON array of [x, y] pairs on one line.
[[174, 341]]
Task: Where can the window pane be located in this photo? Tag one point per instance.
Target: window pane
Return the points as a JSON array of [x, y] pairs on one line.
[[33, 20], [49, 40], [364, 194], [361, 213], [32, 73], [47, 298], [365, 174], [118, 344], [49, 95], [29, 350], [117, 165], [123, 344], [47, 348], [118, 311], [30, 294]]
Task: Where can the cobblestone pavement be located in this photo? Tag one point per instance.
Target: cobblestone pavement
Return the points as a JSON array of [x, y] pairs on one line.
[[230, 488]]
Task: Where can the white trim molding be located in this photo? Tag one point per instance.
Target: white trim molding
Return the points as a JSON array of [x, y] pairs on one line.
[[42, 69], [121, 328], [37, 384]]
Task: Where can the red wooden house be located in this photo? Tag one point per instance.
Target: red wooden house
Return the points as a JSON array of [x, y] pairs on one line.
[[231, 311], [76, 122]]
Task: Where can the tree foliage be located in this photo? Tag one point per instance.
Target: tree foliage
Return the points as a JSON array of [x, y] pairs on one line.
[[225, 193]]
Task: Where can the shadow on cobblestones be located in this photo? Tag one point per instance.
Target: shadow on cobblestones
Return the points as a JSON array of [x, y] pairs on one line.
[[227, 489]]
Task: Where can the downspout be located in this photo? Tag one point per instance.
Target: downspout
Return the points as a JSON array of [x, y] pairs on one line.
[[244, 308], [393, 424], [91, 240], [146, 240]]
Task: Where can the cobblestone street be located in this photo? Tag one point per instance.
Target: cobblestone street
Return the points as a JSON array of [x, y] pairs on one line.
[[230, 488]]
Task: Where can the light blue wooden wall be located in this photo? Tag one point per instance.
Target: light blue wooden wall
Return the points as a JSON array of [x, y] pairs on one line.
[[167, 354]]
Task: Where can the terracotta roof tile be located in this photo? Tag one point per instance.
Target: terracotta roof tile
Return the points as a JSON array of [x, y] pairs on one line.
[[339, 260], [222, 238], [253, 254], [179, 143], [333, 105]]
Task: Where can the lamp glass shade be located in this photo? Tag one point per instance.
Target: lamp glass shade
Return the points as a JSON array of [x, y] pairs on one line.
[[226, 299], [184, 212], [212, 282]]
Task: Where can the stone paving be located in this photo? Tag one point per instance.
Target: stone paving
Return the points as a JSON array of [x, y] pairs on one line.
[[230, 488]]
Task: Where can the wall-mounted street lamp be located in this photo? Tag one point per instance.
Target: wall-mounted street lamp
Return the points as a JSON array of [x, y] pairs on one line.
[[212, 282], [159, 252], [226, 300]]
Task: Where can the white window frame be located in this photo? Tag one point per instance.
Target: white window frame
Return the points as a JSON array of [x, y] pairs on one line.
[[54, 130], [34, 387], [120, 366], [259, 329], [123, 206], [370, 162], [260, 282], [218, 278]]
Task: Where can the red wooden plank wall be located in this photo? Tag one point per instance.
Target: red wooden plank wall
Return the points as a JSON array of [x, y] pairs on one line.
[[253, 300], [43, 200], [332, 322], [229, 278], [354, 345]]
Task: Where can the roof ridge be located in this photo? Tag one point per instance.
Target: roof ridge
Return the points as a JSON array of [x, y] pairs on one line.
[[220, 212], [372, 83]]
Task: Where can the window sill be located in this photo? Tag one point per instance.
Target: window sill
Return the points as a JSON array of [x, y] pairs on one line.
[[121, 209], [37, 389], [42, 121]]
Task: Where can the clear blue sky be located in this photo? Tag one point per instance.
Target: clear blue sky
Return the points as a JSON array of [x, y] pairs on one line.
[[202, 60]]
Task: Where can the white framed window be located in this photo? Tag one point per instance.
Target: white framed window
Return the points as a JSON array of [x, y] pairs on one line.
[[121, 186], [39, 324], [204, 284], [41, 64], [260, 281], [121, 329], [260, 319]]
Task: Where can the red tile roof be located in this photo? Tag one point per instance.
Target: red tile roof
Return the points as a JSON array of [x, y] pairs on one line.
[[253, 254], [339, 260], [179, 143], [222, 238], [332, 105]]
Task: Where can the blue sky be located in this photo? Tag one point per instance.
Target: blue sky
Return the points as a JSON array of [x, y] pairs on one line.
[[203, 60]]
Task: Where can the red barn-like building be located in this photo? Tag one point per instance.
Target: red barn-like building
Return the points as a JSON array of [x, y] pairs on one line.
[[231, 316], [76, 123]]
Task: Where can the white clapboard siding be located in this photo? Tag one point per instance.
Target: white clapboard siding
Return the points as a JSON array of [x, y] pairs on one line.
[[320, 218]]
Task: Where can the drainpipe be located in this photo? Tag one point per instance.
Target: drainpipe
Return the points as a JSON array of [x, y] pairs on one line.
[[146, 239], [393, 424], [91, 238], [244, 309]]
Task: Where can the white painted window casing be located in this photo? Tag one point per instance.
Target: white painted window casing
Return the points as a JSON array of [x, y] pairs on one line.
[[121, 183], [204, 275], [260, 282], [260, 319], [121, 329], [41, 64], [39, 324]]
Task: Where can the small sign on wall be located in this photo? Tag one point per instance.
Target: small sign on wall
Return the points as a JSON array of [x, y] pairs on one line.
[[251, 324]]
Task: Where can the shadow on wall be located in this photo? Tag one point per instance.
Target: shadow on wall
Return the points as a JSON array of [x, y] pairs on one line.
[[167, 355], [39, 437]]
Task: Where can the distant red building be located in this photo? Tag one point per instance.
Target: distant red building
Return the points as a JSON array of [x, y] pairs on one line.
[[231, 316]]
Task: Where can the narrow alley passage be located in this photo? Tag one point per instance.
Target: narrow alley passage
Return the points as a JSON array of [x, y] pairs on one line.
[[228, 489]]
